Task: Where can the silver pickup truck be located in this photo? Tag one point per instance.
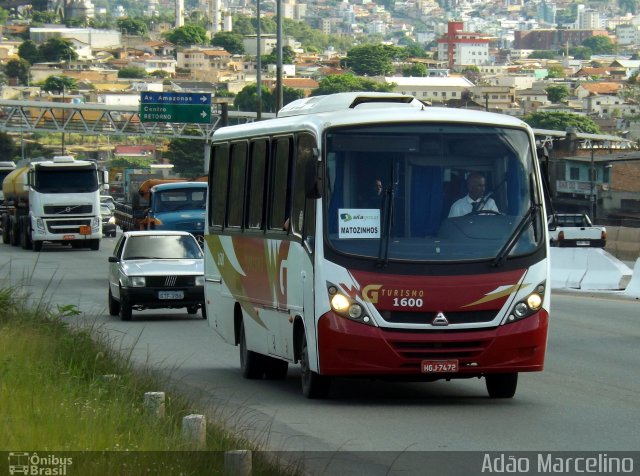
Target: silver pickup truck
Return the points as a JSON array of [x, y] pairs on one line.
[[575, 229]]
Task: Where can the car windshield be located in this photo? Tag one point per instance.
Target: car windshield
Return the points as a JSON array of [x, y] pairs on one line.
[[105, 210], [162, 247], [403, 192]]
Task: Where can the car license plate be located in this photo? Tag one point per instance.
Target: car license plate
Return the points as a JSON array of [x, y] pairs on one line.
[[583, 243], [170, 294], [85, 230], [438, 366]]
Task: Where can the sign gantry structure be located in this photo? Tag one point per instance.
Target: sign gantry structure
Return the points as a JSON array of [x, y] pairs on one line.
[[102, 119]]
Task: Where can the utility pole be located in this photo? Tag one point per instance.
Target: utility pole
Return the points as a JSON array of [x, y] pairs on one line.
[[258, 66], [279, 99], [592, 198]]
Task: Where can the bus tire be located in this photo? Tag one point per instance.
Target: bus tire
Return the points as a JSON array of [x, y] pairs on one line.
[[314, 385], [251, 363], [275, 369], [501, 385]]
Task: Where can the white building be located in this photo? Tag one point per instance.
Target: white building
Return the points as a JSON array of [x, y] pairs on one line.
[[91, 36], [436, 89]]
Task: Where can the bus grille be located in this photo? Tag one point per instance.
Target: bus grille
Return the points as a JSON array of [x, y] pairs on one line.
[[441, 349], [171, 281], [458, 317]]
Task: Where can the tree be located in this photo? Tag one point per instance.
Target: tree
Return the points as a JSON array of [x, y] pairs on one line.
[[288, 56], [132, 26], [187, 35], [59, 84], [557, 92], [18, 69], [231, 42], [8, 148], [370, 60], [560, 121], [581, 52], [57, 49], [556, 71], [416, 69], [187, 157], [247, 99], [28, 50], [472, 73], [543, 54], [42, 18], [628, 6], [132, 72], [342, 83], [600, 45]]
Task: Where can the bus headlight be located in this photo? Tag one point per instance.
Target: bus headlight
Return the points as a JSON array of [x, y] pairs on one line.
[[529, 305], [347, 307]]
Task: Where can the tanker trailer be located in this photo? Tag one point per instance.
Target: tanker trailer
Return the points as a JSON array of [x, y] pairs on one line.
[[56, 201]]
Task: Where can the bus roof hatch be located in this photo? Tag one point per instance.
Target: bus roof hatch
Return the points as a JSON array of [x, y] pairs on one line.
[[343, 101]]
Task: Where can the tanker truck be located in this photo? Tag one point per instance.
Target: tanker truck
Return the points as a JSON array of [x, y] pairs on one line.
[[5, 169], [56, 201]]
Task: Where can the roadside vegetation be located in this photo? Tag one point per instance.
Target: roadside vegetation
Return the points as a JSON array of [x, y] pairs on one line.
[[64, 390]]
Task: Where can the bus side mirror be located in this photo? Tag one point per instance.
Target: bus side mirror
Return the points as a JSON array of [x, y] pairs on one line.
[[314, 176]]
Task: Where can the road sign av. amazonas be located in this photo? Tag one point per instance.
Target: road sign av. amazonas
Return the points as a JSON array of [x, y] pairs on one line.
[[175, 107]]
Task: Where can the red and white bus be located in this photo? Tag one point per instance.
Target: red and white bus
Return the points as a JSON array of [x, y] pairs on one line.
[[330, 241]]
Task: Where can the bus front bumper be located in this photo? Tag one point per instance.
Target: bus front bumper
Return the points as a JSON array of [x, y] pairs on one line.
[[349, 348]]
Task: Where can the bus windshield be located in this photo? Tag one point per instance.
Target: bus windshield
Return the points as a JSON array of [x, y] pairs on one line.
[[431, 192]]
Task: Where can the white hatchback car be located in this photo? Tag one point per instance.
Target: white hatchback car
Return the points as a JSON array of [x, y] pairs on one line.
[[156, 269]]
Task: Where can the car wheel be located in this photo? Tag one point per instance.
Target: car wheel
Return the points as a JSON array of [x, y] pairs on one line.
[[192, 309], [314, 385], [114, 306], [251, 363], [275, 369], [125, 308], [501, 385]]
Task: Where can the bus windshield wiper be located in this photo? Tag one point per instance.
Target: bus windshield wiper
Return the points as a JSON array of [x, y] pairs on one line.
[[385, 238], [524, 223]]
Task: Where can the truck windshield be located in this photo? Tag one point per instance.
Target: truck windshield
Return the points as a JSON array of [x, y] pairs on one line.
[[407, 192], [67, 180], [179, 199]]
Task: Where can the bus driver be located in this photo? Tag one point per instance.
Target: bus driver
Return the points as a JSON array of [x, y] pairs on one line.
[[473, 201]]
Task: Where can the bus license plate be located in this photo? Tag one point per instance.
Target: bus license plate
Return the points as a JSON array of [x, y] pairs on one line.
[[438, 366], [170, 294], [85, 230], [583, 243]]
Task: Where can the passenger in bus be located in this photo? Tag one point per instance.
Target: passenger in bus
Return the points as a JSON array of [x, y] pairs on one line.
[[475, 199], [373, 199]]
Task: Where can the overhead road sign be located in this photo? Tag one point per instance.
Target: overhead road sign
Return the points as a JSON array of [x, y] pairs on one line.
[[175, 107]]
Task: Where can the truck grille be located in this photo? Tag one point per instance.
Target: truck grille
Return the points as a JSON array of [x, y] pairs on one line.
[[67, 209], [171, 281], [66, 226]]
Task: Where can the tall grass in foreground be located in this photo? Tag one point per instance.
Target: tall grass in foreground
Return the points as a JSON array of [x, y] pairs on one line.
[[54, 398]]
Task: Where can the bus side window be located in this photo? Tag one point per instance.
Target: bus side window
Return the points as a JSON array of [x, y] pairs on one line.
[[237, 171], [257, 184], [280, 184], [218, 179], [304, 153]]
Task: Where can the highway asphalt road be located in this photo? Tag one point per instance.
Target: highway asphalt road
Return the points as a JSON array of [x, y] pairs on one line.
[[586, 399]]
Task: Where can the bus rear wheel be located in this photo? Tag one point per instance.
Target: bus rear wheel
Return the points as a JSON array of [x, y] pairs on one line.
[[501, 385], [314, 385], [251, 363]]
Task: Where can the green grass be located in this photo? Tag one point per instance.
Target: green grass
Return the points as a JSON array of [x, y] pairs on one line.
[[54, 397]]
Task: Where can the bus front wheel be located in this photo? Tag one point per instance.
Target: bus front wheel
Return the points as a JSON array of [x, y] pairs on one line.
[[501, 385], [314, 385]]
